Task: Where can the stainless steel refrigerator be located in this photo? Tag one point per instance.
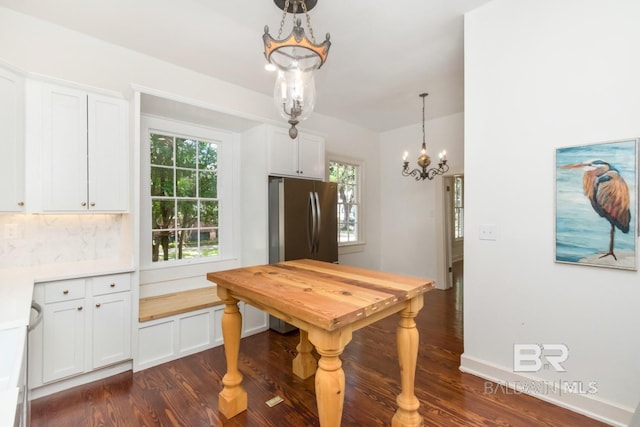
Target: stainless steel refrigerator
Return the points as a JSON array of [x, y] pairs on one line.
[[303, 223], [303, 220]]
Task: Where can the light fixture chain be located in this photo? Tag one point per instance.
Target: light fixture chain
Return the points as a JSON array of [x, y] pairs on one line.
[[423, 134], [304, 8], [284, 16]]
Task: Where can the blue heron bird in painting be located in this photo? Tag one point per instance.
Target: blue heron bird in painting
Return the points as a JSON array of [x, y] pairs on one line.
[[608, 193]]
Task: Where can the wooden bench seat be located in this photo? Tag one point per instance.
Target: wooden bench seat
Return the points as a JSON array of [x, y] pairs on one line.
[[159, 306]]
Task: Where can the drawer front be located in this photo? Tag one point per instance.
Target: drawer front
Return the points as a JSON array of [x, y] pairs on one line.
[[64, 290], [110, 284]]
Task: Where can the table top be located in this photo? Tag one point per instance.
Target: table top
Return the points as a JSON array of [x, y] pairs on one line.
[[323, 294]]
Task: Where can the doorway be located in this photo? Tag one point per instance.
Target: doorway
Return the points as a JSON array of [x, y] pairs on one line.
[[453, 191]]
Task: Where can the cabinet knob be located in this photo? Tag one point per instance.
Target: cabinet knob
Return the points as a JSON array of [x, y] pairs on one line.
[[66, 291], [301, 172], [83, 204], [20, 203], [93, 203], [80, 308], [113, 285], [98, 305]]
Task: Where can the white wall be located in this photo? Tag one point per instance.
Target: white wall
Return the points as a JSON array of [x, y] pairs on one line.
[[543, 74], [39, 47], [350, 144], [411, 211]]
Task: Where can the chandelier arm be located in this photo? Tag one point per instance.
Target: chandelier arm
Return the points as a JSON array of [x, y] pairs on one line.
[[425, 173], [415, 173]]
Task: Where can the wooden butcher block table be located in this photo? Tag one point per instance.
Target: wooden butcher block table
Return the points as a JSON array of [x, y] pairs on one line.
[[327, 302]]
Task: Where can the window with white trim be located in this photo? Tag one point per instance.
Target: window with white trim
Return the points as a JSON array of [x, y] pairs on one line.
[[183, 208], [458, 207], [347, 174]]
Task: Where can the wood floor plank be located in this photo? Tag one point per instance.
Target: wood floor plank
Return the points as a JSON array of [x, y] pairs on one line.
[[185, 392]]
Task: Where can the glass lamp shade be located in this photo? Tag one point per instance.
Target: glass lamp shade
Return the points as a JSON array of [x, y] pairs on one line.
[[294, 93], [295, 57]]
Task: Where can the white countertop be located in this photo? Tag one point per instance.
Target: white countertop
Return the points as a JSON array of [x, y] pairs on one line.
[[16, 290], [16, 285], [16, 293]]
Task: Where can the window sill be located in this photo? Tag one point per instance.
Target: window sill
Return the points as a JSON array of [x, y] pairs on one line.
[[351, 247], [185, 262], [179, 270]]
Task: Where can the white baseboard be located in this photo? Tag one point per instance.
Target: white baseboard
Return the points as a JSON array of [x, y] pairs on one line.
[[582, 403]]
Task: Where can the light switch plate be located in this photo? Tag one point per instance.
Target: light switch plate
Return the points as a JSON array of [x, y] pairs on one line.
[[488, 232]]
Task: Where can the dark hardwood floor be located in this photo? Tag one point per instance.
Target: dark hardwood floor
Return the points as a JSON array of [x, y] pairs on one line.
[[185, 392]]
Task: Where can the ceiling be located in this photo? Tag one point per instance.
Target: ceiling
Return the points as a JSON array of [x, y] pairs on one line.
[[383, 53]]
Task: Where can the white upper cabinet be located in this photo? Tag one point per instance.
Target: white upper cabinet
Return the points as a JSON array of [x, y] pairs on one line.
[[85, 151], [302, 157], [12, 125], [311, 156], [108, 144]]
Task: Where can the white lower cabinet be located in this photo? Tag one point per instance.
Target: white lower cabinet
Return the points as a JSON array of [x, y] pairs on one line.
[[170, 338], [64, 340], [253, 321], [86, 325], [111, 329]]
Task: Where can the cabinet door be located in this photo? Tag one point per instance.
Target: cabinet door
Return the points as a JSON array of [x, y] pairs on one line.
[[12, 125], [253, 320], [311, 156], [63, 340], [283, 153], [64, 149], [108, 153], [111, 329]]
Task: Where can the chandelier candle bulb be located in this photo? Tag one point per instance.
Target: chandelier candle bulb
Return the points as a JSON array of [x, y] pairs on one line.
[[283, 90]]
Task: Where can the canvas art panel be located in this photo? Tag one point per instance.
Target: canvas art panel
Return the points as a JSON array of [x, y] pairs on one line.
[[596, 204]]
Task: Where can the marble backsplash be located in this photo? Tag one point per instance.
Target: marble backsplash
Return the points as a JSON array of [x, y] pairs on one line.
[[36, 240]]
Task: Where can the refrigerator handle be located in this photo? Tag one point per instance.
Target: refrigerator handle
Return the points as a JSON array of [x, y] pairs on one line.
[[319, 222], [311, 227]]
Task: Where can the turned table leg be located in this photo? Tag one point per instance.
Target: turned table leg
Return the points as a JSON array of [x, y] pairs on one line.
[[233, 398], [330, 376], [407, 338], [304, 364]]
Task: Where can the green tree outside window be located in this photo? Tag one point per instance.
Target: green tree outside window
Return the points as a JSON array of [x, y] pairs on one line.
[[346, 176], [184, 198]]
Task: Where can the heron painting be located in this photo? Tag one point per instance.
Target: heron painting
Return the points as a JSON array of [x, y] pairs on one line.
[[596, 204]]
